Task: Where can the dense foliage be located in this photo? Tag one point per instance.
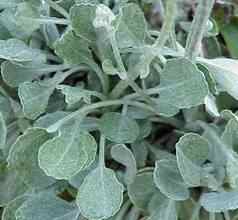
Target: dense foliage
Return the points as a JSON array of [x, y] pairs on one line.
[[118, 109]]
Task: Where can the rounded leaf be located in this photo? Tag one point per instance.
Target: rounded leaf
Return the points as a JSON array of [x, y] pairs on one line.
[[65, 155], [101, 195], [119, 128]]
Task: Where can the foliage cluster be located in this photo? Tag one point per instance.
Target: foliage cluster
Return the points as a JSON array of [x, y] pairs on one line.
[[118, 109]]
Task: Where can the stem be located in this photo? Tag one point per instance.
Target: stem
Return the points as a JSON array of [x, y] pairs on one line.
[[57, 8], [102, 152], [168, 26], [170, 14], [196, 211], [123, 73], [227, 215], [198, 28], [123, 211], [89, 108], [102, 77], [52, 20], [212, 216], [116, 52]]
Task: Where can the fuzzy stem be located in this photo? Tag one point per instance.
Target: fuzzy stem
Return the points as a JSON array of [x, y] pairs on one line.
[[198, 28], [212, 216], [102, 152], [227, 215], [170, 14], [123, 73]]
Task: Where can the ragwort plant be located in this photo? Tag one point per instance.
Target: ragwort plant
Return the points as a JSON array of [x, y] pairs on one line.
[[106, 115]]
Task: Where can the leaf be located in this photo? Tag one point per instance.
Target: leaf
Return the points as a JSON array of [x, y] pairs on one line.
[[182, 84], [15, 73], [225, 72], [132, 27], [192, 151], [47, 120], [17, 50], [124, 156], [166, 211], [48, 207], [77, 180], [229, 135], [169, 180], [27, 16], [75, 94], [8, 3], [82, 16], [34, 96], [229, 32], [103, 203], [118, 128], [10, 210], [23, 157], [3, 132], [140, 152], [142, 189], [219, 201], [9, 21], [12, 186], [72, 49], [211, 106], [65, 155]]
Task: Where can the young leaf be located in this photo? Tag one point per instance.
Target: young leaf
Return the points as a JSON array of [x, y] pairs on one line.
[[119, 128], [34, 98], [17, 50], [123, 155], [182, 84], [3, 132], [132, 27], [73, 49], [23, 157], [192, 151], [100, 196], [65, 155], [82, 16], [75, 94], [219, 201], [169, 180], [48, 207], [27, 16]]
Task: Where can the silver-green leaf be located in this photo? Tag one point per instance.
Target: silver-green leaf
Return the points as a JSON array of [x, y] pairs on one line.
[[65, 155], [192, 151], [220, 201], [119, 128], [101, 195], [123, 155], [169, 180], [23, 157], [182, 84]]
